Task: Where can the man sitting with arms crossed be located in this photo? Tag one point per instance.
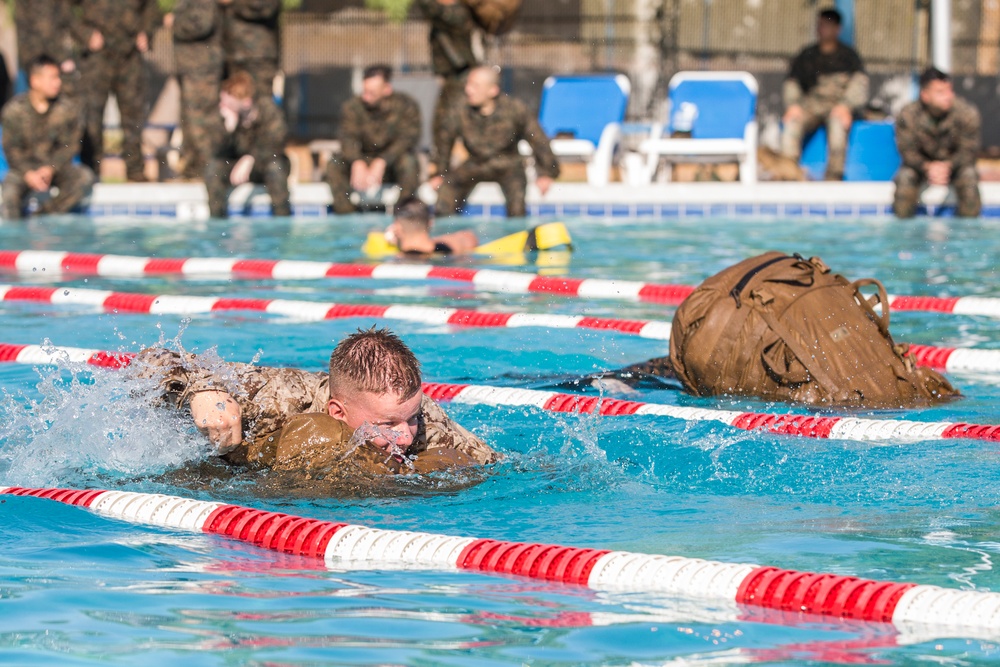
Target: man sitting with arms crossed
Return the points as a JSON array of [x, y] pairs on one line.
[[368, 412], [490, 126]]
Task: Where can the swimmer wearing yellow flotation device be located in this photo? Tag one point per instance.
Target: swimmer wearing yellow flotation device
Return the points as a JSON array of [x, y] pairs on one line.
[[409, 235]]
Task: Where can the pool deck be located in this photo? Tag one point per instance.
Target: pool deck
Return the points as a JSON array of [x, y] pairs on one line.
[[188, 201]]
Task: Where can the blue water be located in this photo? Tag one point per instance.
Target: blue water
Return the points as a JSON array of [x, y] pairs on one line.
[[78, 589]]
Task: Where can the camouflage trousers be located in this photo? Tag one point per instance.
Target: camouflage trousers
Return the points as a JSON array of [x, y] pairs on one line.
[[452, 95], [200, 120], [273, 174], [910, 184], [459, 182], [72, 181], [815, 114], [103, 73], [261, 70], [404, 172]]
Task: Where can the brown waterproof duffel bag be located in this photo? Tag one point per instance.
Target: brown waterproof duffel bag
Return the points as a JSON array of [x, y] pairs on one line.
[[495, 16], [786, 328]]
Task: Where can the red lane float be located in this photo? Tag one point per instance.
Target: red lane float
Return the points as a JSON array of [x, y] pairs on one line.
[[808, 426], [938, 612], [944, 358], [54, 264]]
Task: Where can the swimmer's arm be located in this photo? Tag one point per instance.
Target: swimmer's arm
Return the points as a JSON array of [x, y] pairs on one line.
[[179, 376], [218, 415], [461, 243]]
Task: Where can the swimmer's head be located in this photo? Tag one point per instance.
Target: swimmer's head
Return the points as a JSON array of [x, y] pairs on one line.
[[375, 380], [482, 85], [376, 84], [411, 217], [240, 86]]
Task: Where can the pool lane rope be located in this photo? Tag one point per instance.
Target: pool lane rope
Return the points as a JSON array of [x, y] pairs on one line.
[[950, 359], [906, 606], [54, 264], [809, 426]]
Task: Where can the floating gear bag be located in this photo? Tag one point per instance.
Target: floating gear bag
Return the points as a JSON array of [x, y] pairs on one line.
[[785, 328], [495, 16]]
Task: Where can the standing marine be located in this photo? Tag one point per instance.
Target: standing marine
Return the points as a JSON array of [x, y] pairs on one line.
[[250, 40]]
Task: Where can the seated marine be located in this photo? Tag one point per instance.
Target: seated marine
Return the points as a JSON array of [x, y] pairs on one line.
[[368, 415], [410, 231]]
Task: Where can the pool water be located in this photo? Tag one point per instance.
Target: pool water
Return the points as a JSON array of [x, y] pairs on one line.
[[78, 589]]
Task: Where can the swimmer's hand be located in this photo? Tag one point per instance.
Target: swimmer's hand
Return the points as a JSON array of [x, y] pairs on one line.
[[217, 414]]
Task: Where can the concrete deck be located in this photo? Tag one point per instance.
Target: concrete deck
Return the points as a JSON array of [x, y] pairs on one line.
[[188, 201]]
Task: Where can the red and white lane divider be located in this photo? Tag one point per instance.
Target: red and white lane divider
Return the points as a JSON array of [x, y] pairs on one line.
[[945, 358], [163, 304], [950, 612], [834, 428], [53, 264]]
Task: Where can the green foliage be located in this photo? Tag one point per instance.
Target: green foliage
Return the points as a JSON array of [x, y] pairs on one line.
[[396, 9], [168, 5]]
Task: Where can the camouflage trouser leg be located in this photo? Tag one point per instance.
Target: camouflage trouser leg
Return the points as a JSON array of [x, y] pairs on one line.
[[274, 175], [130, 91], [966, 184], [200, 120], [459, 183], [97, 78], [14, 194], [404, 172], [452, 95], [795, 132], [338, 176], [836, 144], [74, 182], [909, 184], [217, 183]]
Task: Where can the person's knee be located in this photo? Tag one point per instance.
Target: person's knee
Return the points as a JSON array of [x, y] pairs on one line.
[[907, 177]]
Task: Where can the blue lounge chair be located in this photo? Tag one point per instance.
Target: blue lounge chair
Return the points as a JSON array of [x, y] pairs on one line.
[[871, 152], [719, 109], [582, 115]]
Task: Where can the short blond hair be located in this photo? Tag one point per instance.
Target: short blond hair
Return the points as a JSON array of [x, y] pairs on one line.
[[375, 361]]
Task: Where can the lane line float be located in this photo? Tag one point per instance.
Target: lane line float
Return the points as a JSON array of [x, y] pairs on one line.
[[55, 264], [808, 426], [944, 358], [904, 605]]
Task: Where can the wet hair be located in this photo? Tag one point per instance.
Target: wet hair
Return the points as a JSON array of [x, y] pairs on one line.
[[831, 15], [413, 213], [383, 71], [932, 74], [376, 361], [39, 62], [239, 84]]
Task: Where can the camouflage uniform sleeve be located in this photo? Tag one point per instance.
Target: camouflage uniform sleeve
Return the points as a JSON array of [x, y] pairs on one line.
[[906, 140], [856, 93], [351, 129], [441, 431], [444, 140], [407, 135], [256, 10], [70, 132], [968, 139], [82, 24], [545, 161], [15, 145], [271, 132]]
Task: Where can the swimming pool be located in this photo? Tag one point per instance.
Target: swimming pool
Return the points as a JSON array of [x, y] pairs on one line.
[[79, 589]]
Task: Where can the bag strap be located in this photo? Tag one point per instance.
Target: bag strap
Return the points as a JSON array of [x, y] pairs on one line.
[[808, 360], [880, 297], [738, 288]]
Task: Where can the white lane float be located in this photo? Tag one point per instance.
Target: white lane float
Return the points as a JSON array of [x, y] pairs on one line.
[[928, 611], [56, 264], [809, 426]]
